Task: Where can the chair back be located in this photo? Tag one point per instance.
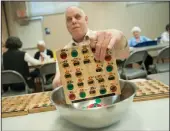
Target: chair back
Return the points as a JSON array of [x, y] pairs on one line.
[[49, 68], [12, 77], [163, 54], [138, 56]]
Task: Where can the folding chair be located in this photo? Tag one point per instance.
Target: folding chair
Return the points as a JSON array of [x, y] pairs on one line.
[[47, 69], [12, 77], [133, 73], [162, 66]]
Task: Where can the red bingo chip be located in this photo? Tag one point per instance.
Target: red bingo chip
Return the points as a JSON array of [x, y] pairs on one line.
[[63, 55]]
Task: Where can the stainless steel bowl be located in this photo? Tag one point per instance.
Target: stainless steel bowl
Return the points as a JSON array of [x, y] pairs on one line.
[[97, 117]]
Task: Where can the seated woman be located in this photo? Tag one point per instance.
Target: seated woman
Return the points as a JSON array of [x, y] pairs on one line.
[[165, 35], [137, 38], [14, 59]]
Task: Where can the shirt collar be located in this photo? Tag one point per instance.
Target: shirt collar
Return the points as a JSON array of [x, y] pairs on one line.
[[45, 51], [86, 37]]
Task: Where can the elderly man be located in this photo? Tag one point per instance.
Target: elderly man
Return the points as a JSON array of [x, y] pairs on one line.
[[43, 53], [77, 25]]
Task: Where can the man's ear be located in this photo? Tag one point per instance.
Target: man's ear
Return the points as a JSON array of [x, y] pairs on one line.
[[86, 19]]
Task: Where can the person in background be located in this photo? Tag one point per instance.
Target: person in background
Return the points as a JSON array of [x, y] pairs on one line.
[[137, 38], [17, 60], [43, 53], [100, 41], [3, 51], [165, 35]]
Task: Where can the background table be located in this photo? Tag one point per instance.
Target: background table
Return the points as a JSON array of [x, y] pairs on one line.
[[163, 77], [39, 65], [152, 50]]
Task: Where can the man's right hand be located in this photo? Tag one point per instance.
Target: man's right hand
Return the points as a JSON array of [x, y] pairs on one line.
[[56, 80], [109, 39]]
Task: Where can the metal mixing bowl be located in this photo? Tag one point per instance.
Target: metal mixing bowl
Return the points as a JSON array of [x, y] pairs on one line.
[[97, 117]]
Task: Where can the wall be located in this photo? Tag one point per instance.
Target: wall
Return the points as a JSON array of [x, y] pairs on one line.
[[152, 19], [29, 30], [4, 25]]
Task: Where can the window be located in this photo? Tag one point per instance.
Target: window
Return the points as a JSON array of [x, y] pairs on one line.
[[46, 8], [137, 3]]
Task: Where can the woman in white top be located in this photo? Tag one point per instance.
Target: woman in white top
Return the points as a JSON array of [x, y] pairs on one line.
[[165, 35]]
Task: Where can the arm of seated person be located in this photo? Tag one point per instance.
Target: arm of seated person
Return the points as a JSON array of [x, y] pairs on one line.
[[31, 60], [147, 39], [164, 38]]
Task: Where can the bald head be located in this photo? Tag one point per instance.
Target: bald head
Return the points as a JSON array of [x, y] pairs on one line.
[[76, 21], [74, 8], [41, 45]]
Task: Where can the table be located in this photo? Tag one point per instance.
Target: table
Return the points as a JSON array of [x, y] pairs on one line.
[[152, 50], [146, 115], [39, 65], [149, 48], [163, 77]]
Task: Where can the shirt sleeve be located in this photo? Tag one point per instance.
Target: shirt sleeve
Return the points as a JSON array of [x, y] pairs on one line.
[[130, 42], [146, 38], [31, 60], [165, 37]]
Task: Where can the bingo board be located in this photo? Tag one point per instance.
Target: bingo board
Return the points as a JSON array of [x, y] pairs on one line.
[[40, 103], [85, 78], [25, 104], [151, 89], [15, 106]]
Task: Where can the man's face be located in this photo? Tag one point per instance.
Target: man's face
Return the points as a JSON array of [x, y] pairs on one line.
[[76, 22], [41, 48], [136, 34]]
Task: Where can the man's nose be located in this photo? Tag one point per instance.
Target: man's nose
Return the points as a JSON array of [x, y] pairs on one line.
[[74, 20]]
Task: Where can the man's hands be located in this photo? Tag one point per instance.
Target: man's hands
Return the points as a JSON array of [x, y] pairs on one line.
[[101, 41], [104, 40], [56, 80]]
